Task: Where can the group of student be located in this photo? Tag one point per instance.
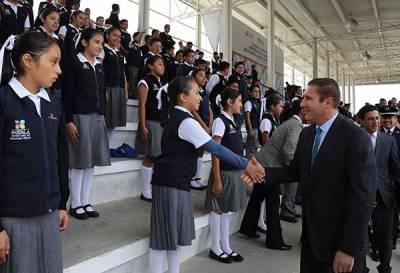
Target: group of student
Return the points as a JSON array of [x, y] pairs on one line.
[[62, 95]]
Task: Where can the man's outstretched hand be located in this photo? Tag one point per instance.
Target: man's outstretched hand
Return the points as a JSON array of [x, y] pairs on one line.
[[254, 173]]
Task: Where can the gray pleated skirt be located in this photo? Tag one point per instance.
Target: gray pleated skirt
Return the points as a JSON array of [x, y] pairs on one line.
[[115, 107], [35, 244], [172, 221], [233, 196], [92, 148], [152, 146]]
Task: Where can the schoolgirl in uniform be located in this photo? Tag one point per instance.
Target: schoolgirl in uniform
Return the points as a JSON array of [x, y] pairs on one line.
[[115, 82], [125, 36], [14, 18], [203, 116], [134, 61], [225, 193], [84, 103], [188, 64], [48, 22], [33, 194], [252, 114], [270, 120], [148, 142], [172, 221], [69, 33]]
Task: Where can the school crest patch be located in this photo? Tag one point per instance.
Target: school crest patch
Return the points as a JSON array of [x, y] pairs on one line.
[[20, 131]]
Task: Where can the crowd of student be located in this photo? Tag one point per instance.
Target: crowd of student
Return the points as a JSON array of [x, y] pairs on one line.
[[65, 83]]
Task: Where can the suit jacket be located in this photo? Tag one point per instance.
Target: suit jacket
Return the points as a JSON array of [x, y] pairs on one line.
[[338, 193], [396, 135], [279, 151], [388, 165]]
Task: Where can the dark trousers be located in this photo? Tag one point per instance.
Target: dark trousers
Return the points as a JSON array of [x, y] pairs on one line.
[[252, 214], [382, 238], [396, 224], [310, 264]]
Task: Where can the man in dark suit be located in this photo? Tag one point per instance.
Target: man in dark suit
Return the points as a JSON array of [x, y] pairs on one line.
[[336, 170], [389, 118], [388, 165]]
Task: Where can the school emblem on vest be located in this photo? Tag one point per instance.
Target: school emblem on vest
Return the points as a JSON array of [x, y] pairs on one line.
[[85, 66], [52, 116], [20, 132]]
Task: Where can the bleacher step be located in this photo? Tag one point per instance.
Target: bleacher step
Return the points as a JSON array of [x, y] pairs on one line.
[[118, 241]]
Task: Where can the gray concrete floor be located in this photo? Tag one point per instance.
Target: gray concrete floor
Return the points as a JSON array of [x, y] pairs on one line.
[[258, 259]]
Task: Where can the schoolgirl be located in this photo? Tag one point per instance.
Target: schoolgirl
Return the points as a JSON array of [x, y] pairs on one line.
[[270, 119], [204, 116], [188, 64], [125, 36], [172, 221], [48, 22], [14, 18], [225, 193], [148, 142], [84, 103], [69, 33], [33, 158], [252, 116], [134, 61], [115, 82], [67, 10]]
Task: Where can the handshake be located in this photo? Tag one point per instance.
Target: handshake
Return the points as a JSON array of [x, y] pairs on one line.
[[254, 172]]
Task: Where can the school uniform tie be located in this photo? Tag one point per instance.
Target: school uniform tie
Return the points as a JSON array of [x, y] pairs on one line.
[[317, 141]]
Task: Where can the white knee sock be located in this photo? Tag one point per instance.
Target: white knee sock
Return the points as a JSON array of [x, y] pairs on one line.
[[87, 186], [174, 260], [199, 167], [226, 247], [215, 225], [156, 261], [110, 134], [261, 222], [145, 178], [76, 176]]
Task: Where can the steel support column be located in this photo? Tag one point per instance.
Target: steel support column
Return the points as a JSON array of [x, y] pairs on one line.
[[144, 15], [271, 39]]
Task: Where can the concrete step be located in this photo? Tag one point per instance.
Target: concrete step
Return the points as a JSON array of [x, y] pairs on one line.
[[121, 179], [117, 241], [126, 134], [132, 111]]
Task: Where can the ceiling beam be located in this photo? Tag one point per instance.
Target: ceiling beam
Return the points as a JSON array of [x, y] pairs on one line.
[[379, 24], [314, 23]]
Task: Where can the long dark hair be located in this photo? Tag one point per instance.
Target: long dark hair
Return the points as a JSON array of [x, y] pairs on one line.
[[150, 61], [86, 35], [33, 43], [178, 86], [46, 12]]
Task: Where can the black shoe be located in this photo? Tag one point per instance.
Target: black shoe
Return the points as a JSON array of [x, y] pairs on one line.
[[251, 236], [374, 255], [145, 199], [200, 187], [289, 219], [261, 230], [283, 247], [227, 260], [237, 258], [80, 216], [92, 214]]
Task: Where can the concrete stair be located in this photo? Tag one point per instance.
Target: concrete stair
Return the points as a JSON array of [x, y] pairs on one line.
[[118, 240]]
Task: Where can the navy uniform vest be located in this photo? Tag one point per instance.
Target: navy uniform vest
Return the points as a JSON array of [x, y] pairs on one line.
[[274, 122], [178, 161], [69, 41], [114, 68], [204, 108], [217, 90], [232, 139], [255, 113], [33, 157], [152, 111], [11, 23]]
